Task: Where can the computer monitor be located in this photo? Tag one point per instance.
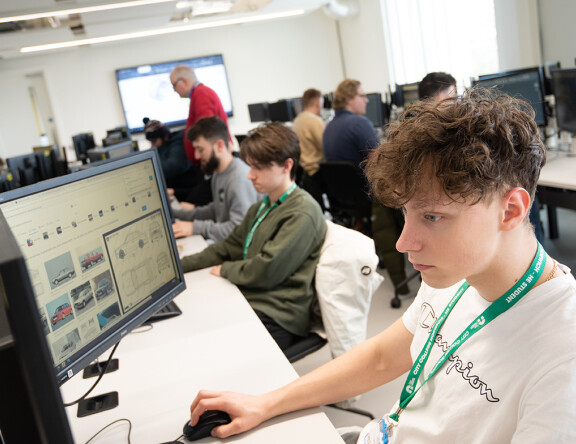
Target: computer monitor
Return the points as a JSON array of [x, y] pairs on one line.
[[82, 143], [146, 90], [374, 109], [24, 168], [111, 151], [47, 161], [297, 105], [100, 255], [7, 182], [405, 95], [258, 112], [281, 111], [564, 86], [526, 84], [31, 407]]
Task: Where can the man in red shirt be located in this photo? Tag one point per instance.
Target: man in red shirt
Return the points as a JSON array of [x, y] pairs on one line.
[[204, 102]]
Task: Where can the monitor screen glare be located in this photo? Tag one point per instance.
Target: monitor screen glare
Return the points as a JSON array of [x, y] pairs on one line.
[[564, 86], [523, 84], [100, 255], [146, 91]]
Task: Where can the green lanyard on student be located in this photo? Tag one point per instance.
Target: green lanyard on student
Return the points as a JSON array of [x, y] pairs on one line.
[[258, 220], [503, 303]]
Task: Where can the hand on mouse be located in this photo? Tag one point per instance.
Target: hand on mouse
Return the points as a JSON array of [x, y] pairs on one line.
[[246, 411]]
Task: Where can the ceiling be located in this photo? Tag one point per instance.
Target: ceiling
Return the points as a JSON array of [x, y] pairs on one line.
[[163, 14]]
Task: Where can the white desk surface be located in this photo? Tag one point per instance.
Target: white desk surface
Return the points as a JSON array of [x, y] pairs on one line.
[[559, 171], [217, 343]]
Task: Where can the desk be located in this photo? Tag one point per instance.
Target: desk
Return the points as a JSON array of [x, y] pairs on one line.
[[217, 343], [557, 187]]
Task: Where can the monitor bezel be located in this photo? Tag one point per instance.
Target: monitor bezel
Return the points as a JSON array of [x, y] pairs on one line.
[[515, 72], [141, 314], [561, 125]]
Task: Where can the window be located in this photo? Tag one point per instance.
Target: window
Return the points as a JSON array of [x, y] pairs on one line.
[[454, 36]]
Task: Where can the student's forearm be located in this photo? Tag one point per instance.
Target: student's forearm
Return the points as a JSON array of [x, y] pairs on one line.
[[371, 364]]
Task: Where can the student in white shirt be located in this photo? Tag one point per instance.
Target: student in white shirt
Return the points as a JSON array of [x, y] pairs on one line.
[[464, 171]]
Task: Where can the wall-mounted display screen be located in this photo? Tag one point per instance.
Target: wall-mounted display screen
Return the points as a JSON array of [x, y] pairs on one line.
[[146, 91]]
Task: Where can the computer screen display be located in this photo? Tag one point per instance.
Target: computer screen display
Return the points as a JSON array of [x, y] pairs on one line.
[[258, 112], [100, 254], [526, 84], [146, 91], [281, 111], [564, 86], [374, 109]]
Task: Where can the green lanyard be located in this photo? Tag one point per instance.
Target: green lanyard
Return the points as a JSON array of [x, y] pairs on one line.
[[258, 220], [503, 303]]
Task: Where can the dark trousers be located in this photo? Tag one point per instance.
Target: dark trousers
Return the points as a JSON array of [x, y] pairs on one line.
[[283, 338]]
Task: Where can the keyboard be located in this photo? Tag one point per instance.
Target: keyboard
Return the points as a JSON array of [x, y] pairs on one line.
[[168, 311]]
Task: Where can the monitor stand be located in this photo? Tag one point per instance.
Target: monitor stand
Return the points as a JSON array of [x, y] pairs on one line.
[[96, 369], [97, 404]]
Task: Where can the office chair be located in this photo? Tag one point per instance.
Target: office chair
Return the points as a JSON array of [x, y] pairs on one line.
[[346, 189], [396, 302], [344, 286]]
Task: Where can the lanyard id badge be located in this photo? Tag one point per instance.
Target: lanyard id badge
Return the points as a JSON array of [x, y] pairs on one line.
[[258, 219], [501, 305]]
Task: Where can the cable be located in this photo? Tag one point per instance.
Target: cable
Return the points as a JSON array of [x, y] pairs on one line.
[[4, 442], [111, 424], [102, 372], [144, 328]]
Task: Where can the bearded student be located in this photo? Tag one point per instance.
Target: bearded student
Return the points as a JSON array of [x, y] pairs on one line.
[[232, 192]]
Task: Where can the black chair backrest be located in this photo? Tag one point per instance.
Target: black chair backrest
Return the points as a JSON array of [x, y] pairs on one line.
[[344, 184]]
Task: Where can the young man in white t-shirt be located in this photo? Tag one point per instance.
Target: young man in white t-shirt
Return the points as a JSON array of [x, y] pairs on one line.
[[493, 325]]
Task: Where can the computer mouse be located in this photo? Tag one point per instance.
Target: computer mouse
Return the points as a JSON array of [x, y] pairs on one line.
[[207, 421]]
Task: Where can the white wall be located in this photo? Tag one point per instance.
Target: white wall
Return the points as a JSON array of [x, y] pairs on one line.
[[264, 61], [517, 33], [558, 31]]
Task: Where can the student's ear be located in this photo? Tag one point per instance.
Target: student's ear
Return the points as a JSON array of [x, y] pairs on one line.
[[516, 205], [221, 146], [288, 165]]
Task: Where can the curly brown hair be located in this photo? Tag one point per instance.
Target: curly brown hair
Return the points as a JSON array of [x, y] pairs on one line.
[[474, 146]]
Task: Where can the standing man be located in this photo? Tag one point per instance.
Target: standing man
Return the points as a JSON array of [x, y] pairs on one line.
[[309, 127], [204, 102], [350, 136], [232, 192], [272, 255]]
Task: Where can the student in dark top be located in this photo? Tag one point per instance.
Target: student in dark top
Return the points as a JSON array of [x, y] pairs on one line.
[[350, 136]]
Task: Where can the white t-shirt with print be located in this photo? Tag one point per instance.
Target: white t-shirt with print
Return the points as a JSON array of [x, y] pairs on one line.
[[512, 382]]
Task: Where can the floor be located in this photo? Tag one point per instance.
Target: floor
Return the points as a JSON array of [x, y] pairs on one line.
[[380, 400]]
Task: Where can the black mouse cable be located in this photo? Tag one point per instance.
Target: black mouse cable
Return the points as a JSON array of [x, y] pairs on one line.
[[111, 424], [102, 372]]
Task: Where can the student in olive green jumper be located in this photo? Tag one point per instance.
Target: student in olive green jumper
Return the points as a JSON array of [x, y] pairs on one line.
[[272, 255]]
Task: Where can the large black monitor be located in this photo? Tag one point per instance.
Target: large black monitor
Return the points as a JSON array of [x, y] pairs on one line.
[[564, 86], [526, 84], [281, 111], [111, 151], [374, 109], [258, 112], [25, 169], [405, 95], [100, 254], [147, 91], [82, 143], [31, 407]]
